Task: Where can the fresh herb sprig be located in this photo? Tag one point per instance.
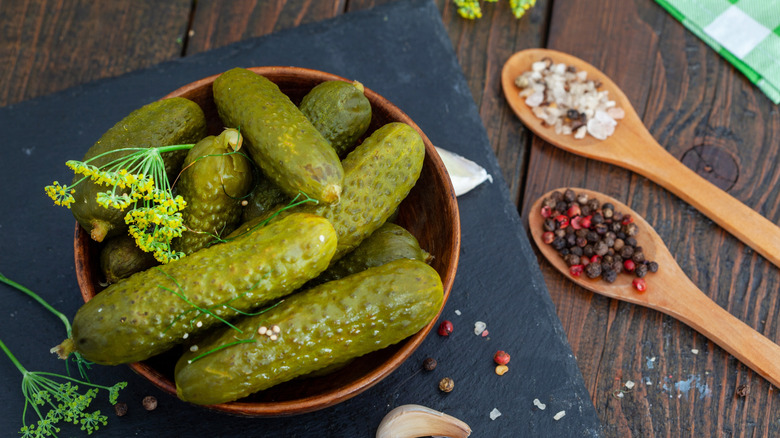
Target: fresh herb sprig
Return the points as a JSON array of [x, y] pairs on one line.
[[471, 9], [137, 179], [59, 397], [82, 364]]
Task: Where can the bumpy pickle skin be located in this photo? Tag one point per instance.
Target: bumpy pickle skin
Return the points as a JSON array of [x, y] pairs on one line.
[[121, 258], [326, 325], [153, 310], [280, 139], [378, 175], [340, 112], [214, 179], [162, 123]]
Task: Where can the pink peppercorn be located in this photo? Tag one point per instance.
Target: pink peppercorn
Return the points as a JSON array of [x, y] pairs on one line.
[[501, 357], [445, 328], [576, 270], [639, 284], [629, 265]]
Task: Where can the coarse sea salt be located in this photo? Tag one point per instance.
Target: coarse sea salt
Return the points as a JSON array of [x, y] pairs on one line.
[[539, 404], [559, 415], [479, 327], [566, 100], [495, 413]]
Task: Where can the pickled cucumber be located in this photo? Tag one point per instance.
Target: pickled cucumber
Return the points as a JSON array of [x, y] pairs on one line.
[[378, 175], [153, 310], [264, 198], [213, 181], [280, 139], [390, 242], [162, 123], [340, 111], [326, 325], [121, 258]]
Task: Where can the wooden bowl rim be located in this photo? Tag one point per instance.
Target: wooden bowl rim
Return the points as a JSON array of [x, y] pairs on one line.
[[409, 345]]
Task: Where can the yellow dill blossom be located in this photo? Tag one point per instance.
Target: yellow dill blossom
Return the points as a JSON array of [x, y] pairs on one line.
[[62, 195], [137, 182], [470, 9]]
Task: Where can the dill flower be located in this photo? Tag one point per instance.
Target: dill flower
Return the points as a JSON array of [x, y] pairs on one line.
[[520, 6], [136, 181], [470, 9], [59, 397]]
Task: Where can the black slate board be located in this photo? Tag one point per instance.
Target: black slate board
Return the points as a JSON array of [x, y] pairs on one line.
[[402, 51]]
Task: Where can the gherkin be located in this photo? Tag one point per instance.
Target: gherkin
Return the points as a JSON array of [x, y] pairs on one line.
[[378, 175], [281, 141], [317, 328], [213, 181], [340, 112], [162, 123], [151, 311], [390, 242], [121, 257]]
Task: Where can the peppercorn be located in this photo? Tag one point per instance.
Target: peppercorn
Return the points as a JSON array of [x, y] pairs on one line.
[[585, 210], [572, 259], [582, 198], [549, 203], [501, 369], [120, 409], [630, 229], [593, 270], [587, 250], [559, 233], [597, 218], [615, 227], [639, 284], [652, 266], [564, 252], [631, 241], [640, 270], [548, 237], [501, 357], [571, 239], [600, 248], [556, 196], [581, 242], [549, 224], [592, 237], [445, 328], [446, 384], [638, 256], [569, 195], [573, 114], [559, 243], [617, 217], [609, 276], [576, 250], [607, 210], [561, 206], [626, 252], [742, 390], [576, 270], [618, 245], [149, 402], [429, 364], [594, 204]]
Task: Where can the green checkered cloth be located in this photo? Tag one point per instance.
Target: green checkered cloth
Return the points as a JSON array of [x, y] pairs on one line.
[[745, 32]]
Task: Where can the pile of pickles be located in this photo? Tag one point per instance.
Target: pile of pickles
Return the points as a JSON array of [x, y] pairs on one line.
[[270, 287]]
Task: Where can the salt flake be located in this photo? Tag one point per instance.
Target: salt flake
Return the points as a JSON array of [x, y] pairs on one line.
[[479, 327], [539, 404], [495, 413], [559, 415], [629, 385]]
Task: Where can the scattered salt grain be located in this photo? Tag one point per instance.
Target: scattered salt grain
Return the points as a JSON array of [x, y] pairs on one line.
[[495, 413], [186, 335], [566, 100], [479, 327], [539, 404], [464, 173], [559, 415], [695, 351], [194, 348], [199, 324], [629, 385], [457, 312]]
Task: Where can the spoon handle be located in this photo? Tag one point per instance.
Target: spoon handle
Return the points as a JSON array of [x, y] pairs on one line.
[[741, 221], [691, 306]]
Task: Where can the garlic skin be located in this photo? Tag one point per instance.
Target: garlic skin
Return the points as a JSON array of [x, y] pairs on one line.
[[410, 421], [464, 173]]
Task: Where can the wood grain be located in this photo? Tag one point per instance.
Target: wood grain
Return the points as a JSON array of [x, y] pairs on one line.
[[687, 96]]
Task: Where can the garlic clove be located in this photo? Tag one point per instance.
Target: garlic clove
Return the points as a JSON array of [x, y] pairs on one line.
[[410, 421], [464, 173]]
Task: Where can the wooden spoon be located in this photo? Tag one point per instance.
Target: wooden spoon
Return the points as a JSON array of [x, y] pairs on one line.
[[634, 148], [669, 291]]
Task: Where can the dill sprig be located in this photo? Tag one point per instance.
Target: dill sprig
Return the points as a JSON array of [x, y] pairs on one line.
[[137, 179], [470, 9], [56, 401], [82, 364]]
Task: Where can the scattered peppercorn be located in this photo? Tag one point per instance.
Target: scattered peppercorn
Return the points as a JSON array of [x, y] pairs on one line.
[[445, 328], [150, 402], [594, 238], [446, 384], [501, 357], [501, 369], [120, 409], [742, 390], [640, 284], [429, 364]]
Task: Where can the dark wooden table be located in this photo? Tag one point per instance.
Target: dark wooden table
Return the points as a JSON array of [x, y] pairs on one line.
[[694, 103]]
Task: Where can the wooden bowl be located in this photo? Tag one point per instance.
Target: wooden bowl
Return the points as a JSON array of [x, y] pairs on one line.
[[430, 213]]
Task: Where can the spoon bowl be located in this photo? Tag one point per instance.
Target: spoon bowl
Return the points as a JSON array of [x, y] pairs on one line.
[[669, 291], [632, 147]]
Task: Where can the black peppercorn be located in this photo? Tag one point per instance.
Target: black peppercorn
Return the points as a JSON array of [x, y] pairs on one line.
[[549, 224], [617, 216], [581, 242], [149, 402], [609, 276], [572, 259], [597, 218], [640, 270], [592, 237], [558, 243], [582, 198], [576, 250], [569, 195], [585, 210], [652, 266], [549, 203], [601, 228], [618, 244], [561, 206], [587, 251], [560, 232], [429, 364], [626, 252], [594, 204], [556, 196], [630, 241], [593, 270], [573, 114], [607, 210], [120, 409], [600, 248], [571, 239], [631, 229], [638, 256]]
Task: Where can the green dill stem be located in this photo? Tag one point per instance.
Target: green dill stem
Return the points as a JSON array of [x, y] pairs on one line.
[[13, 358], [37, 298]]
